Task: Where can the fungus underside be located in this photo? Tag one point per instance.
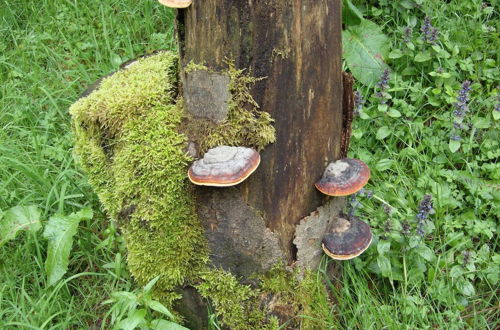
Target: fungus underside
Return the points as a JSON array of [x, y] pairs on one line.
[[129, 140]]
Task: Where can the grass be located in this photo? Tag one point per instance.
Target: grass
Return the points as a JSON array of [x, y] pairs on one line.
[[49, 53], [442, 269]]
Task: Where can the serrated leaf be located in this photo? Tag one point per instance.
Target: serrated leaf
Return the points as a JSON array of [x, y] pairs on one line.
[[465, 287], [365, 48], [384, 265], [16, 219], [422, 57], [383, 132], [426, 253], [394, 113], [59, 231], [383, 246], [166, 325], [454, 145]]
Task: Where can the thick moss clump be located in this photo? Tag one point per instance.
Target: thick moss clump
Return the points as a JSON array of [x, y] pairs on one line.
[[127, 142]]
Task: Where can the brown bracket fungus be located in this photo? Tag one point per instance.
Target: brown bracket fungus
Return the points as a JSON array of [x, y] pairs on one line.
[[347, 239], [224, 166], [176, 3], [344, 177]]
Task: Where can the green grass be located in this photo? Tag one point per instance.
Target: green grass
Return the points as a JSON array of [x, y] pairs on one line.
[[449, 274], [50, 51]]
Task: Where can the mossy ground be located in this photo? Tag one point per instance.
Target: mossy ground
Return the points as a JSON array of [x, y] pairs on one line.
[[129, 141]]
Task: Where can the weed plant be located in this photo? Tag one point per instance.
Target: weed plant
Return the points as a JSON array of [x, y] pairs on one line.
[[428, 129]]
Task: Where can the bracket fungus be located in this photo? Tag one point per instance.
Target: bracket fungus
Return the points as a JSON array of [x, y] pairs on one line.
[[224, 166], [347, 239], [176, 3], [344, 177]]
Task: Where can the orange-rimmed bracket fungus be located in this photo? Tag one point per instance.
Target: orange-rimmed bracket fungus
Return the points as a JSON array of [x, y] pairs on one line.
[[224, 166], [347, 239], [176, 3], [344, 177]]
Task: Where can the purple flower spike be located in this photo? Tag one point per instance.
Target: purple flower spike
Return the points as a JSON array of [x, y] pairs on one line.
[[424, 210], [461, 109], [429, 33], [408, 32], [382, 87], [358, 102]]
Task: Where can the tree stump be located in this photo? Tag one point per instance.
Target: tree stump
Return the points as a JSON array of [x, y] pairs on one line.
[[296, 47]]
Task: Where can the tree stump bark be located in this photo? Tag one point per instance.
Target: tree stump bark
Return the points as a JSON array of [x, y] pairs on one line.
[[296, 46]]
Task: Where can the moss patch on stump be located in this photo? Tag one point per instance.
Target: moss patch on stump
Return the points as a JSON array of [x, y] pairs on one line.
[[130, 138]]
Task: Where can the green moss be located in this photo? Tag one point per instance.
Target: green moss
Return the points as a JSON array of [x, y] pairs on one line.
[[128, 139], [306, 297], [192, 66], [241, 306], [235, 304], [129, 94], [245, 125]]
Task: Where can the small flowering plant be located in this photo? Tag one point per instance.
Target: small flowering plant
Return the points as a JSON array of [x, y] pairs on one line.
[[460, 110], [382, 90], [429, 132], [429, 33]]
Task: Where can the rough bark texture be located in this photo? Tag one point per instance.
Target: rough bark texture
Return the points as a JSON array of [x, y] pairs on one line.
[[310, 233], [296, 45], [348, 113]]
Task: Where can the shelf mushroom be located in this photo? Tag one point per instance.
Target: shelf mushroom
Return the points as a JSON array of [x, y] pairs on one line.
[[344, 177], [224, 166], [176, 3], [347, 239]]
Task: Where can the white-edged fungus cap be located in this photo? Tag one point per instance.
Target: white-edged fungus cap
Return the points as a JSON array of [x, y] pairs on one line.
[[224, 166], [344, 177]]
